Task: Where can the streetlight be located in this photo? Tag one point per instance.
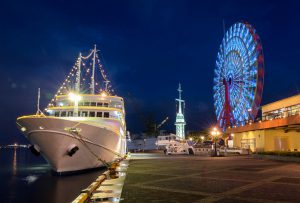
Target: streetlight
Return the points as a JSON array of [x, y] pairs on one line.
[[75, 98], [231, 140], [250, 116], [202, 138], [215, 133], [103, 94]]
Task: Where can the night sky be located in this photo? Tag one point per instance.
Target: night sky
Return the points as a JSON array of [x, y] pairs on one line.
[[148, 47]]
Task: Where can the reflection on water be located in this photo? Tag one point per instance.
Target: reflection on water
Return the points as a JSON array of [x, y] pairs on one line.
[[31, 178], [14, 168], [26, 178]]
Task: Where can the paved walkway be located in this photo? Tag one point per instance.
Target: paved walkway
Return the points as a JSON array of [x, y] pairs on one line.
[[160, 178]]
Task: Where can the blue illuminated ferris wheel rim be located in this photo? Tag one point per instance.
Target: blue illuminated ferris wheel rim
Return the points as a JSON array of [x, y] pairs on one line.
[[240, 61]]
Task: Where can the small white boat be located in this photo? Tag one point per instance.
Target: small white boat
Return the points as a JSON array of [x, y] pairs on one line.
[[179, 147]]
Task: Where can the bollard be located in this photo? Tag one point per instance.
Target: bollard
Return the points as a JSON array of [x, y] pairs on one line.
[[112, 170]]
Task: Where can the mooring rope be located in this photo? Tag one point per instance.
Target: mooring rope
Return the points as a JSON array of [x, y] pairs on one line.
[[80, 138]]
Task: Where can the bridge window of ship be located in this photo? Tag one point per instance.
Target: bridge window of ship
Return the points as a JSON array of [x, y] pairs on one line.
[[105, 104], [99, 114], [93, 103], [106, 114], [84, 114], [63, 114], [86, 103], [56, 114], [99, 103], [92, 114], [70, 113], [80, 103]]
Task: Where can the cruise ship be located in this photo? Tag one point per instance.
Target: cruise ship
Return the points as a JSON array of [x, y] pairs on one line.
[[83, 127]]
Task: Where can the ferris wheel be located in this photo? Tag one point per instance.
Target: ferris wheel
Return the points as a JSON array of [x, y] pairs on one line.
[[238, 76]]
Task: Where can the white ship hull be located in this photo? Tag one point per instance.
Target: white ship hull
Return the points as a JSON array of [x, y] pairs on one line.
[[53, 138]]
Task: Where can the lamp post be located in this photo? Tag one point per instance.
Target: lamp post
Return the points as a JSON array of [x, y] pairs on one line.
[[202, 138], [75, 98], [231, 140], [250, 116], [215, 133]]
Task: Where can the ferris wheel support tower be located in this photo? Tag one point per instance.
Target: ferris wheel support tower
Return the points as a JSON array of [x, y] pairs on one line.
[[228, 118]]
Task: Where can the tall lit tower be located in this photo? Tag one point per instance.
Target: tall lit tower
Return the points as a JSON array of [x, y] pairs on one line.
[[180, 122]]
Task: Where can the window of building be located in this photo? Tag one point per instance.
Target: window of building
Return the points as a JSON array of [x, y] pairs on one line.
[[106, 114], [56, 114], [63, 114], [99, 114], [99, 103], [92, 114], [93, 103]]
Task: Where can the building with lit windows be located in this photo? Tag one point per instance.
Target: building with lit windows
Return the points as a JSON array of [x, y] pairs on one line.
[[277, 130]]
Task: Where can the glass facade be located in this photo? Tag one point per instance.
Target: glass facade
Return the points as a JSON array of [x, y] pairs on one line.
[[282, 112]]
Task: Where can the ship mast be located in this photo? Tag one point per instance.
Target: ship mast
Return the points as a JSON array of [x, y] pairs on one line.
[[106, 85], [77, 86], [38, 102], [179, 99], [93, 72], [39, 112]]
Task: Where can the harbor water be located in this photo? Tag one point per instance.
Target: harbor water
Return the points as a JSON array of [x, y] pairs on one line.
[[27, 178]]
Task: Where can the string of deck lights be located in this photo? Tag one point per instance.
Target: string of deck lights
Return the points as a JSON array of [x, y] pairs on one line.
[[104, 76], [88, 56], [101, 68], [66, 82], [63, 89]]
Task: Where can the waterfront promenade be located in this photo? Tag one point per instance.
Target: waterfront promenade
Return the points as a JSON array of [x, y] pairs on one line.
[[155, 177]]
